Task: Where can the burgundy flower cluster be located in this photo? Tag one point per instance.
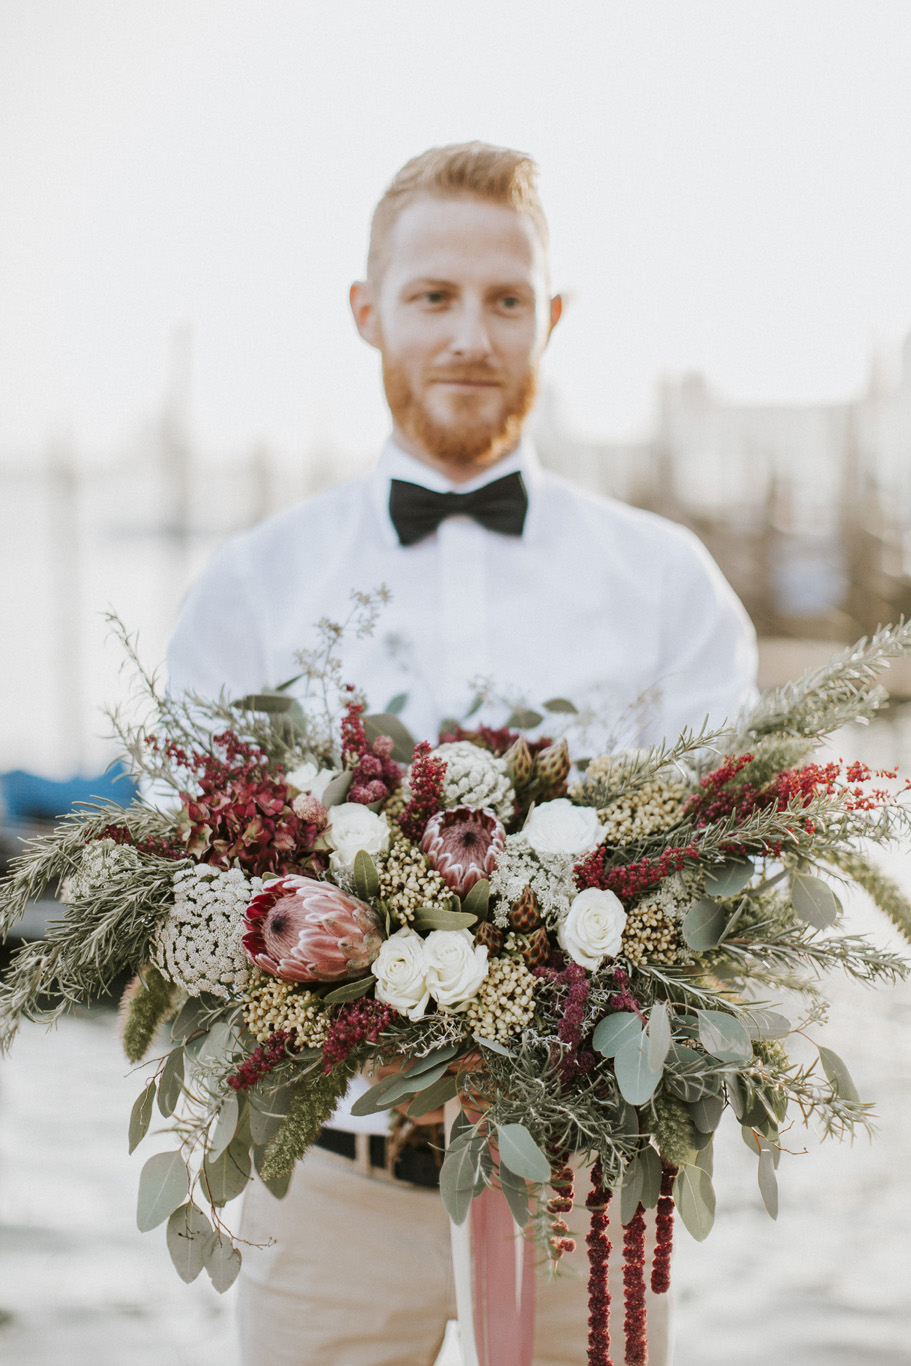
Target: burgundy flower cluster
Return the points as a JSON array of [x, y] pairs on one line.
[[634, 1319], [497, 740], [599, 1250], [427, 776], [240, 815], [664, 1230], [157, 846], [629, 879], [279, 1045], [355, 1022], [374, 773]]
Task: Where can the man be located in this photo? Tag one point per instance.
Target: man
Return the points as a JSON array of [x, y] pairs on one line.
[[526, 582]]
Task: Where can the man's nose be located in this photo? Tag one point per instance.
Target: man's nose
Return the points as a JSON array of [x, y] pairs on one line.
[[471, 337]]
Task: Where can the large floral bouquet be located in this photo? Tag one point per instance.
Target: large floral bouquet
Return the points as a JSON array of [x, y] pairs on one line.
[[588, 959]]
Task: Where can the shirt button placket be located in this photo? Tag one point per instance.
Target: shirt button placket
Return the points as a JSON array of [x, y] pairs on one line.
[[465, 617]]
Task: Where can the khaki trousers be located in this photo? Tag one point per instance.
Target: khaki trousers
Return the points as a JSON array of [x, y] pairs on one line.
[[359, 1274]]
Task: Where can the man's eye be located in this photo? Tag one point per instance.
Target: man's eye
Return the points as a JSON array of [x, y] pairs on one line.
[[434, 296], [510, 302]]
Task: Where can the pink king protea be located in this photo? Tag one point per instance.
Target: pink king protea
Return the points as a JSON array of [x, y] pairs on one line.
[[463, 845], [302, 930]]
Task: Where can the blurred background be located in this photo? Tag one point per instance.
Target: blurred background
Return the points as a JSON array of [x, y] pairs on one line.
[[187, 187]]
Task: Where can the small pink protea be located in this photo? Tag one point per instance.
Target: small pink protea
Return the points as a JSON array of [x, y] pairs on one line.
[[463, 845], [302, 930]]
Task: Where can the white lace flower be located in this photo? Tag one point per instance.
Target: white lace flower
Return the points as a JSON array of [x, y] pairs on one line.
[[199, 945]]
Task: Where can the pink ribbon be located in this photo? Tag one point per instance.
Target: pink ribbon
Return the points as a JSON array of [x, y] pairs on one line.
[[503, 1284]]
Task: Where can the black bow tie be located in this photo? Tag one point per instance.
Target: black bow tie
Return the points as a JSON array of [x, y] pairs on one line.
[[416, 512]]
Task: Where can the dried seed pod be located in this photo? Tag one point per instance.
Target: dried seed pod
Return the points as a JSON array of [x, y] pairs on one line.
[[519, 762], [536, 949], [552, 766], [489, 934], [524, 915]]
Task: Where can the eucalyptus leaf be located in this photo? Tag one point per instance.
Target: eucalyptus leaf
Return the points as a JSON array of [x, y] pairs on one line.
[[187, 1234], [695, 1201], [434, 1095], [460, 1131], [225, 1126], [141, 1115], [268, 1112], [409, 1083], [631, 1191], [523, 718], [614, 1031], [372, 1102], [430, 1060], [336, 790], [432, 918], [219, 1044], [476, 901], [736, 1097], [223, 1262], [163, 1185], [228, 1174], [458, 1176], [521, 1153], [706, 1113], [837, 1074], [170, 1084], [395, 704], [561, 704], [724, 1036], [650, 1165], [188, 1019], [813, 900], [350, 991], [728, 878], [768, 1182], [705, 1158], [385, 723], [767, 1024], [278, 1185], [636, 1079], [366, 877], [704, 924], [659, 1035], [273, 704], [516, 1193]]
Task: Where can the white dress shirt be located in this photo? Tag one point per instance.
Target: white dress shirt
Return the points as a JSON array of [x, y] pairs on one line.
[[596, 602]]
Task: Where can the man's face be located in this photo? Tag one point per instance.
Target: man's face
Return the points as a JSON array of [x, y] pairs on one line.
[[461, 315]]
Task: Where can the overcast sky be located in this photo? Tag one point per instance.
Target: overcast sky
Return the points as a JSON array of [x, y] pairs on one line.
[[727, 185]]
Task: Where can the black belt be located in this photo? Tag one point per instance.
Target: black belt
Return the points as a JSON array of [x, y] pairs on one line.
[[417, 1163]]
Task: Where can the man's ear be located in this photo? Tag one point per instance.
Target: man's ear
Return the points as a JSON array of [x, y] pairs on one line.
[[362, 297], [556, 312]]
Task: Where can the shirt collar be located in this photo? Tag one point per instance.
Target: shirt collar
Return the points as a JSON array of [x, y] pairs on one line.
[[394, 463]]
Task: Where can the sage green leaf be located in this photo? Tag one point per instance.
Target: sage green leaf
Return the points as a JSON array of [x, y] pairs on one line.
[[728, 878], [407, 1084], [188, 1019], [476, 901], [219, 1044], [614, 1031], [268, 1112], [430, 1060], [767, 1024], [561, 704], [516, 1193], [336, 790], [704, 924], [636, 1079], [187, 1235], [724, 1036], [277, 1185], [350, 991], [385, 723], [141, 1115], [838, 1074], [374, 1101], [225, 1125], [435, 1095], [813, 900], [768, 1182], [494, 1045], [366, 877], [395, 705], [659, 1035], [273, 704], [170, 1084], [684, 1073], [223, 1262], [228, 1174], [650, 1166], [695, 1201], [705, 1159], [458, 1176], [707, 1112], [523, 718], [521, 1153], [460, 1131], [433, 918], [163, 1185], [631, 1191], [735, 1094]]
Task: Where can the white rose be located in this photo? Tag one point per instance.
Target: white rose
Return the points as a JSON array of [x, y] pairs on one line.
[[308, 778], [558, 827], [455, 965], [400, 972], [352, 827], [593, 927]]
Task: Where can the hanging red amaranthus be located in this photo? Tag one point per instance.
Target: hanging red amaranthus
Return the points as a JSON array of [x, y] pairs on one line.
[[664, 1229], [634, 1322], [599, 1250]]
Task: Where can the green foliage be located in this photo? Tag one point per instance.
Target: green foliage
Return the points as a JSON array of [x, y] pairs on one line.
[[885, 893], [671, 1126], [149, 1000], [312, 1102]]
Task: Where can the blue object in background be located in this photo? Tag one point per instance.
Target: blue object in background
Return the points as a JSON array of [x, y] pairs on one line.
[[26, 797]]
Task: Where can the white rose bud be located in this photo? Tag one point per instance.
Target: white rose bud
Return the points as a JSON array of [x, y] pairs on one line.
[[399, 969], [558, 827], [352, 827], [456, 966], [593, 928], [308, 778]]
